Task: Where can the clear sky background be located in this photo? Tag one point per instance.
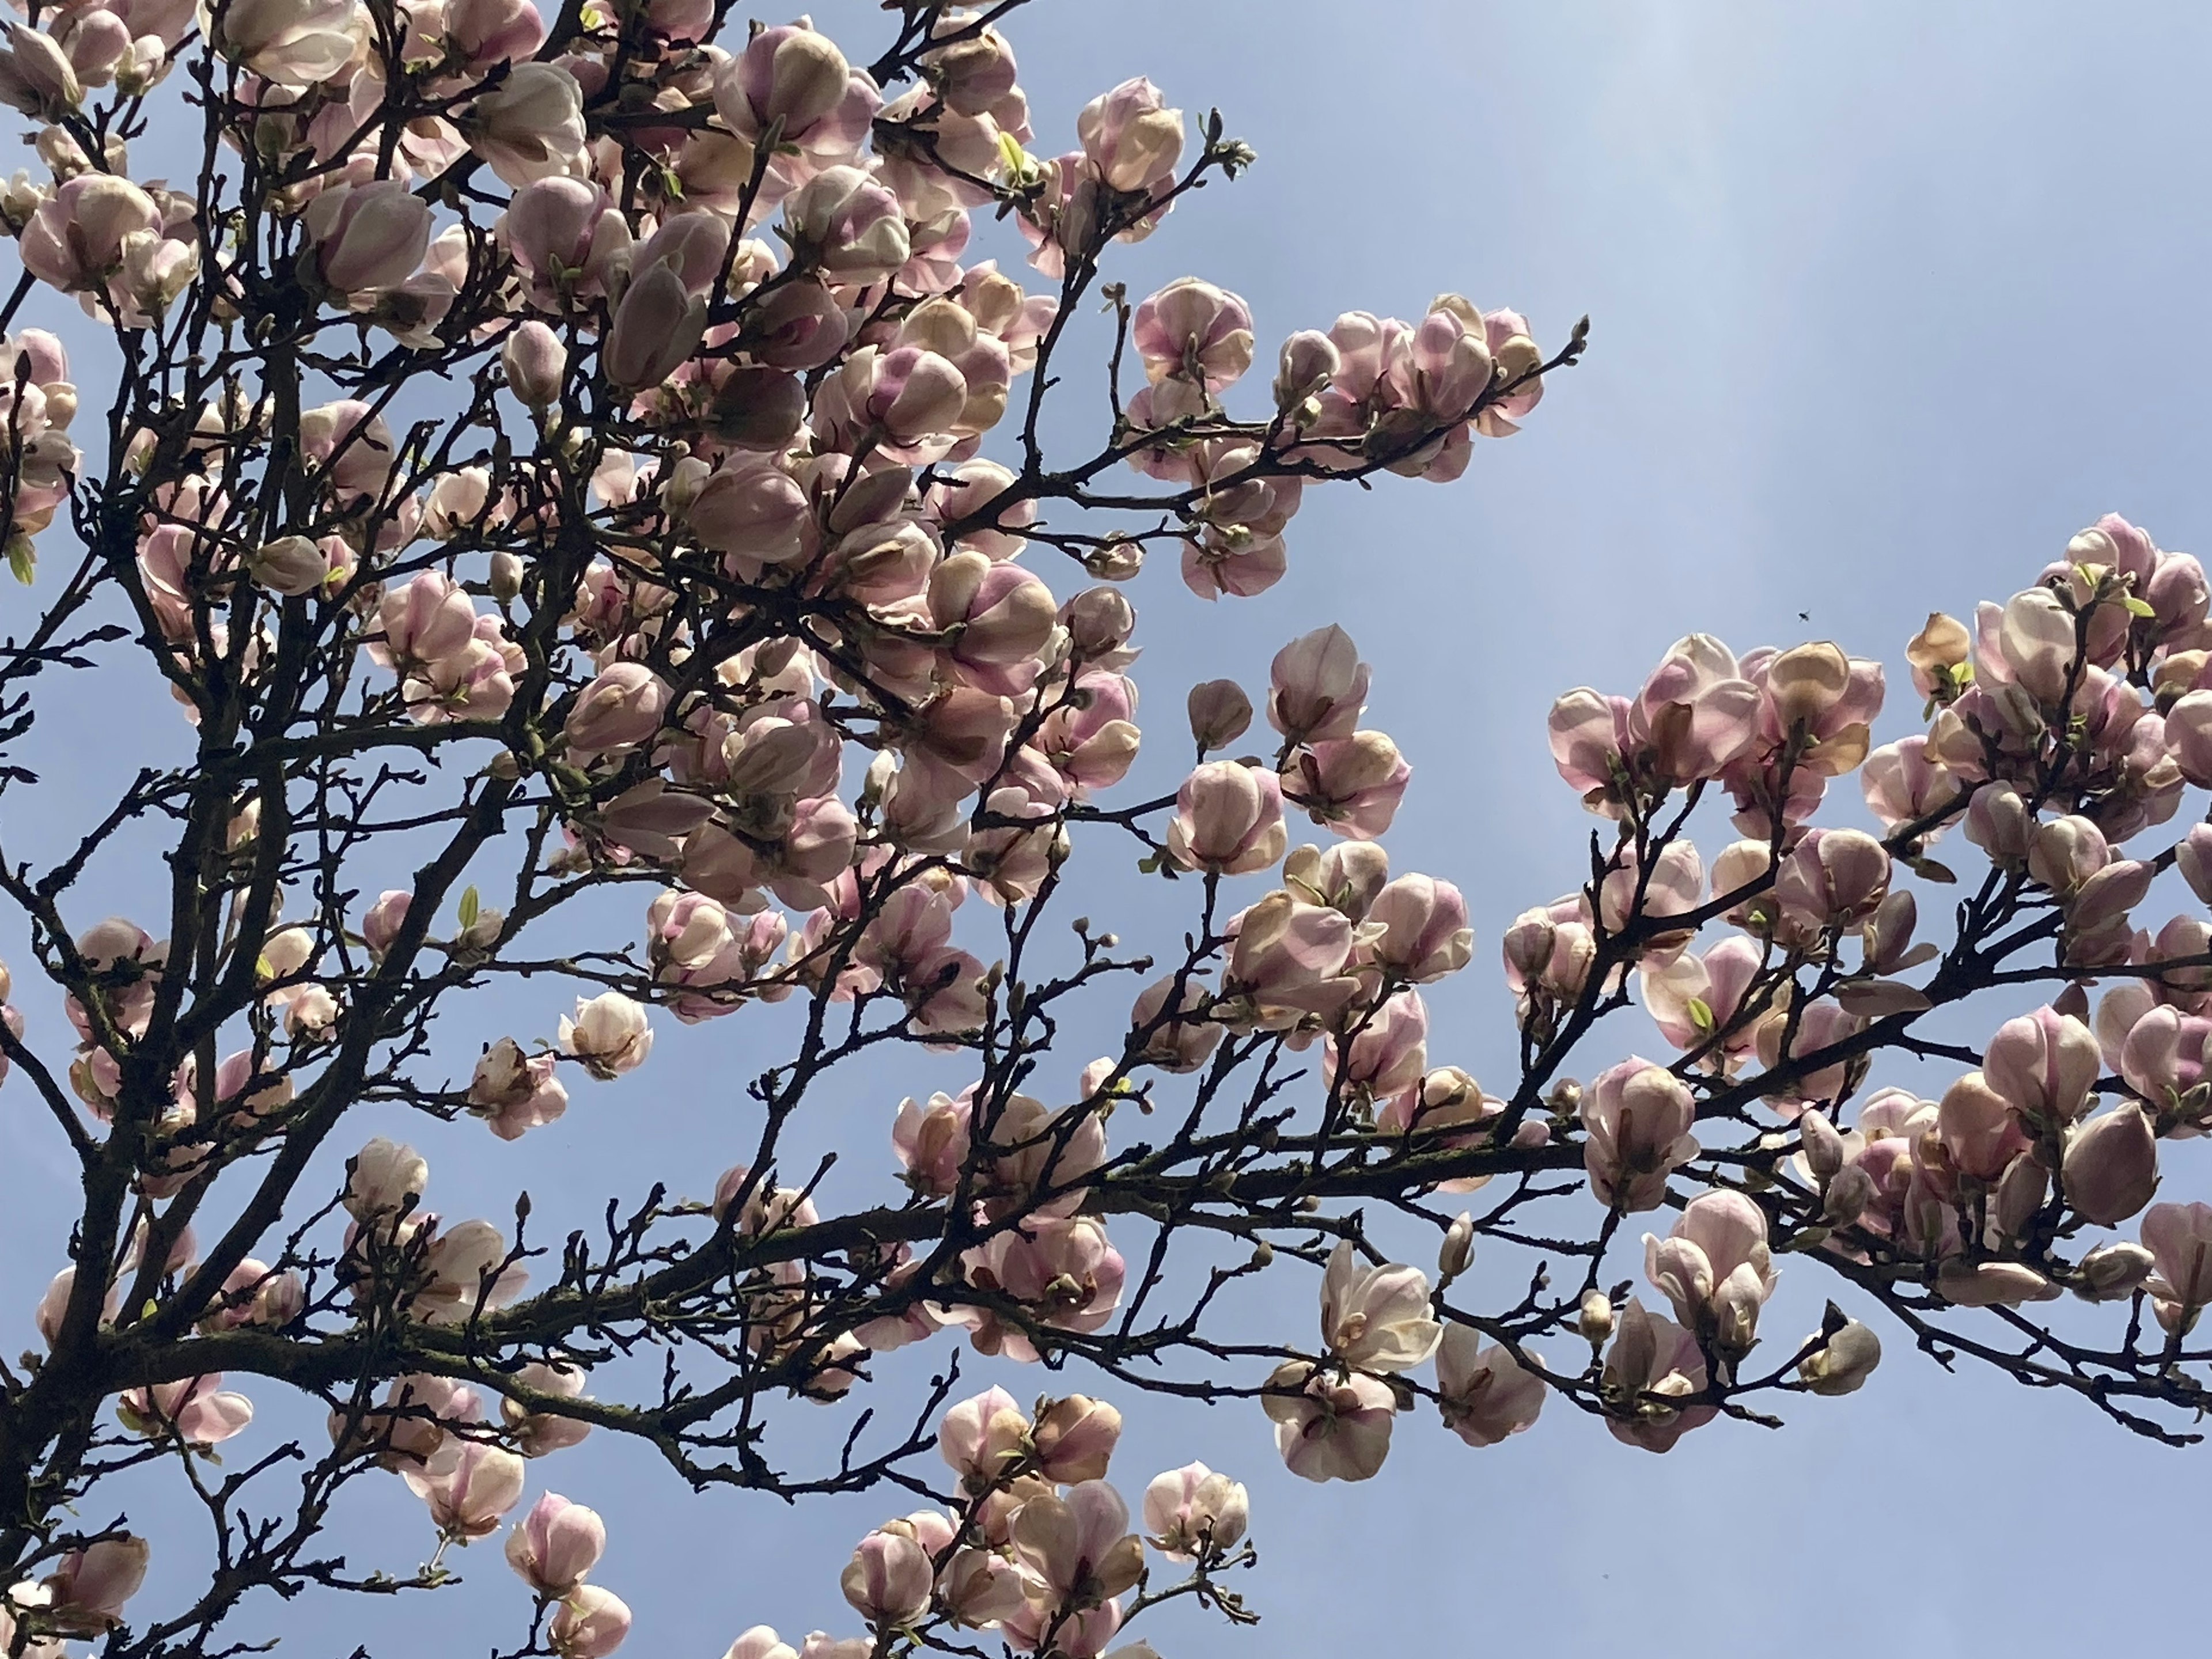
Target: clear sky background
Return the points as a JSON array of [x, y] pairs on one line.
[[1888, 300]]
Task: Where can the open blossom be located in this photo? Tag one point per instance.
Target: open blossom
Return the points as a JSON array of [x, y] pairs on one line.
[[1080, 1545], [469, 1487], [609, 1033], [1194, 330], [1330, 1426], [1191, 1510], [1652, 1365], [1715, 1268], [1486, 1394], [197, 1411], [514, 1092], [1377, 1318]]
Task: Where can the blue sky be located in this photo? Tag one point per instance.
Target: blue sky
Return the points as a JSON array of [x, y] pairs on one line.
[[1887, 301]]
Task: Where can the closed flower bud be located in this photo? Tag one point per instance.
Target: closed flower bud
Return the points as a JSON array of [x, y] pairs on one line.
[[555, 1544], [2111, 1166], [291, 566], [1455, 1255], [1594, 1319], [1843, 1363], [536, 363], [1220, 713]]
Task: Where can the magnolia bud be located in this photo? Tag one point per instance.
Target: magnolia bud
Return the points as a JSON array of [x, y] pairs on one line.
[[1220, 713], [1595, 1321], [1823, 1147], [2113, 1272], [1842, 1364], [291, 565], [535, 362], [1849, 1194], [1458, 1247], [506, 575]]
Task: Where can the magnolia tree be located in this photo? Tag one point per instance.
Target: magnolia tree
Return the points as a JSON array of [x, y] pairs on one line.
[[583, 492]]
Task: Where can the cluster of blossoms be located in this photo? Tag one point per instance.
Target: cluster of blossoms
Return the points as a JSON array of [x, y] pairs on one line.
[[1037, 1547], [548, 460]]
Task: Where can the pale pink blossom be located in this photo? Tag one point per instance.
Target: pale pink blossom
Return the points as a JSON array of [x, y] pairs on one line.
[[1636, 1119], [1377, 1318], [553, 1546], [1192, 1512], [609, 1033], [590, 1623], [1485, 1394], [1330, 1426]]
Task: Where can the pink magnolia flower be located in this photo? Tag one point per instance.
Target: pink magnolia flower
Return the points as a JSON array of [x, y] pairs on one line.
[[1714, 1267], [1485, 1394], [1330, 1426], [1979, 1133], [85, 1593], [536, 363], [1079, 1546], [1192, 1512], [1833, 878], [2110, 1165], [530, 126], [1192, 329], [1425, 932], [1386, 1054], [1228, 819], [538, 1433], [590, 1623], [609, 1034], [2043, 1064], [1074, 1438], [1066, 1271], [1219, 713], [1286, 963], [1636, 1119], [849, 226], [1654, 1364], [794, 79], [932, 1141], [889, 1579], [1317, 687], [1175, 1040], [367, 236], [383, 1178], [468, 1486], [1353, 785], [1905, 782], [1000, 616], [198, 1411], [291, 43], [555, 1544], [2180, 1239], [980, 1435], [1131, 140], [514, 1092], [1694, 999], [1376, 1317], [657, 327]]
